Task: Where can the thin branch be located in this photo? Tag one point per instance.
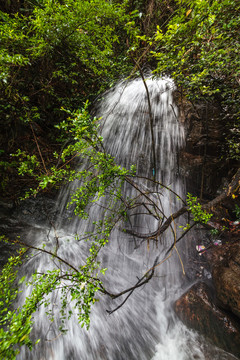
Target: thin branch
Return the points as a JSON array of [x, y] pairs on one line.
[[162, 185], [180, 238], [162, 227], [46, 252], [174, 112], [233, 188], [136, 186], [39, 151], [150, 117], [144, 279]]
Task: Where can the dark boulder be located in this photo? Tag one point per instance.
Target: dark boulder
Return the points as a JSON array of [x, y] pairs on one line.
[[198, 311], [226, 277]]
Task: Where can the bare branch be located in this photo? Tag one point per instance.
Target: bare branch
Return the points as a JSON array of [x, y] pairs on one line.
[[150, 120], [162, 185], [44, 251], [162, 227], [39, 151], [181, 237], [145, 194], [144, 279], [233, 188]]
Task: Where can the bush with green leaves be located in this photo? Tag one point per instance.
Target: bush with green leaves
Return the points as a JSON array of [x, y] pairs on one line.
[[199, 215], [57, 54], [101, 177], [200, 51], [87, 146], [75, 285]]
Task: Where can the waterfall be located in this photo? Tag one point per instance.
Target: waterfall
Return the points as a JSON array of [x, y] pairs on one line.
[[145, 327]]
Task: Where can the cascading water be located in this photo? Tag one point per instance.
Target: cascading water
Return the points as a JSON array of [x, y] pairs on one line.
[[145, 327]]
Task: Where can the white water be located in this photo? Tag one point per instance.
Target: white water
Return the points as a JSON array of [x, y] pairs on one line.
[[145, 327]]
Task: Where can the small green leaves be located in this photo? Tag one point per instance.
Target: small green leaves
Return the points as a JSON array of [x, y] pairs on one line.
[[200, 51], [103, 271], [199, 215], [22, 280]]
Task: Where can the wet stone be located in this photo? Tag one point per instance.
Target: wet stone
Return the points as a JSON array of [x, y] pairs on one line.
[[226, 277], [197, 310]]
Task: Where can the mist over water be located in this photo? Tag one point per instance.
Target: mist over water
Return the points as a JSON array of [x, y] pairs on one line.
[[145, 327]]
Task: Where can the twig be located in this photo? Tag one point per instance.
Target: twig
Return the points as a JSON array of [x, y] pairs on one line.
[[139, 283], [39, 151], [161, 228], [150, 118], [162, 185], [180, 238]]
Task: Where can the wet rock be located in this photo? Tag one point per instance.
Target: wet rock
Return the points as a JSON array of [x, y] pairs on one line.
[[226, 277], [5, 208], [6, 250], [197, 310], [40, 211], [22, 223], [200, 161], [13, 230]]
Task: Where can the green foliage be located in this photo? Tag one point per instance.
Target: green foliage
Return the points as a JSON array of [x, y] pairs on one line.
[[57, 54], [199, 215], [214, 232], [27, 162], [5, 166], [76, 285], [237, 211], [101, 174], [53, 56], [14, 328], [79, 286], [200, 50]]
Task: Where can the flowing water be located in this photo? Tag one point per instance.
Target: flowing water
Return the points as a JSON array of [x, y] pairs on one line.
[[145, 327]]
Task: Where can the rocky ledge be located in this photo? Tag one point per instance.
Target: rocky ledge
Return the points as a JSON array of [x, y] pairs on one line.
[[213, 308]]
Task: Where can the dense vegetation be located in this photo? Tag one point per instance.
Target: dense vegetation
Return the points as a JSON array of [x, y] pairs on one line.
[[56, 55], [200, 49]]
